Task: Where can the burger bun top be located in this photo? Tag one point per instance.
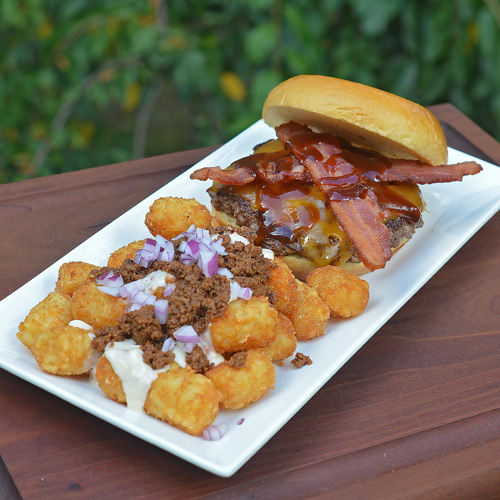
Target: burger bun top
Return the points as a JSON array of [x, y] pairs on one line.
[[365, 116]]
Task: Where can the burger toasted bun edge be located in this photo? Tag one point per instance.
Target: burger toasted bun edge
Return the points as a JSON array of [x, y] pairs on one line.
[[365, 116]]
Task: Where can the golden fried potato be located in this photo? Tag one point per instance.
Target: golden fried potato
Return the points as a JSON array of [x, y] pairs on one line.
[[285, 343], [282, 282], [251, 376], [246, 324], [109, 382], [64, 350], [170, 216], [126, 252], [96, 308], [345, 294], [72, 275], [309, 313], [54, 310], [184, 399]]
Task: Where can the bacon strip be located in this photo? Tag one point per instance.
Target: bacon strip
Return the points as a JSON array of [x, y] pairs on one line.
[[416, 172], [319, 158], [361, 218], [237, 176], [279, 166]]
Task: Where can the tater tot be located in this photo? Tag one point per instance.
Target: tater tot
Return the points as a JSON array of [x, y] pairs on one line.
[[109, 382], [282, 282], [285, 343], [345, 294], [71, 275], [97, 308], [64, 350], [309, 313], [246, 324], [184, 399], [170, 217], [126, 252], [242, 386], [54, 310]]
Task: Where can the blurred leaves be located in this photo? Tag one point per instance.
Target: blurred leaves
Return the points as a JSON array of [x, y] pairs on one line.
[[233, 86], [87, 83]]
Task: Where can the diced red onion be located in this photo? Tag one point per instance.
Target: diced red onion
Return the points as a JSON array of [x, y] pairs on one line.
[[104, 277], [208, 262], [110, 290], [187, 260], [169, 289], [161, 240], [129, 290], [142, 298], [202, 234], [151, 245], [187, 334], [167, 252], [144, 257], [194, 248], [188, 347], [168, 345], [161, 310], [190, 252], [199, 247], [116, 280], [240, 421], [110, 279], [218, 247], [214, 432], [239, 292], [246, 293], [224, 271], [190, 233]]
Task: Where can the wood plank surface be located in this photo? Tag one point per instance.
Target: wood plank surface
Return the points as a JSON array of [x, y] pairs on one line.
[[414, 414]]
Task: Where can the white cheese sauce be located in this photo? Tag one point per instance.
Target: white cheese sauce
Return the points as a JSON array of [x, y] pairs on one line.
[[76, 323], [237, 237], [136, 376], [93, 355], [91, 360], [208, 348], [180, 354], [156, 280], [268, 254]]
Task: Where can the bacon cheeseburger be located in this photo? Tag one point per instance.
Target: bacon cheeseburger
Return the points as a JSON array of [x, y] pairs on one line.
[[340, 184]]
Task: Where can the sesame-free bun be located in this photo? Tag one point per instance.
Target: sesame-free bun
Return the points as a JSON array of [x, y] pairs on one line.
[[365, 116], [301, 266]]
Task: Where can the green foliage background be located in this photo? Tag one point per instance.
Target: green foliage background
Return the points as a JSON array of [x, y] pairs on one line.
[[91, 82]]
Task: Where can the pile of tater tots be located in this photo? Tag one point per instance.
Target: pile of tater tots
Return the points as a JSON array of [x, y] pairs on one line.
[[188, 321]]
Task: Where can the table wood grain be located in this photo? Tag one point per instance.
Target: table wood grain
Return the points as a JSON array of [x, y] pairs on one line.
[[414, 414]]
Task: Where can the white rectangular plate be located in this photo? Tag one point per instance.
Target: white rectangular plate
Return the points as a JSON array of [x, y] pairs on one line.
[[454, 213]]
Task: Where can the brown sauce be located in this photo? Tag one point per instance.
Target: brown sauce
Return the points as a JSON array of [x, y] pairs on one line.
[[287, 210], [341, 179], [291, 210]]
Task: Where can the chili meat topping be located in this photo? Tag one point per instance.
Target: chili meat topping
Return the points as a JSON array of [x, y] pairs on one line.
[[196, 299]]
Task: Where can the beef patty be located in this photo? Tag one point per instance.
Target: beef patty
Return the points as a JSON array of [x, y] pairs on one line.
[[239, 208]]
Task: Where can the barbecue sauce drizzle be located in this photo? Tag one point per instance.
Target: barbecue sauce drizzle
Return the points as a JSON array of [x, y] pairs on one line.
[[359, 170]]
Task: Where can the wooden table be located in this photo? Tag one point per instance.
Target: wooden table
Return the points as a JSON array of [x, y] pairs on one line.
[[414, 414]]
